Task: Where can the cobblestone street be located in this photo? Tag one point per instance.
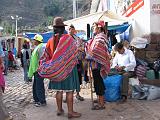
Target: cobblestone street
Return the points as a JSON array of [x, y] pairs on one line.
[[18, 99], [17, 94]]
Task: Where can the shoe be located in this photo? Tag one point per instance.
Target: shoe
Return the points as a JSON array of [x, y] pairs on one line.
[[30, 80], [123, 99], [79, 98], [65, 101], [9, 118], [26, 82], [98, 107], [74, 115], [61, 112], [38, 104]]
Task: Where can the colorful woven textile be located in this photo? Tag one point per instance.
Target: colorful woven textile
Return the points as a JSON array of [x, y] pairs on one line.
[[97, 48], [58, 60]]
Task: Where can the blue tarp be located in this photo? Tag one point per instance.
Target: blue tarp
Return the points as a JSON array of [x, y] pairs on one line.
[[115, 29], [45, 35], [118, 29]]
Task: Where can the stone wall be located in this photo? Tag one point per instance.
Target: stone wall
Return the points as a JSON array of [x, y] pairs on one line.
[[152, 50]]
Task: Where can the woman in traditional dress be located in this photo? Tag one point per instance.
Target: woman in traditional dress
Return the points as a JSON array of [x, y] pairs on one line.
[[58, 63], [98, 51]]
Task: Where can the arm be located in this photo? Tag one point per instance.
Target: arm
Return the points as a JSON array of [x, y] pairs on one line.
[[132, 64], [115, 61]]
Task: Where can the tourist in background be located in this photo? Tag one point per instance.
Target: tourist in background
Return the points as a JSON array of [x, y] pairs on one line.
[[25, 59]]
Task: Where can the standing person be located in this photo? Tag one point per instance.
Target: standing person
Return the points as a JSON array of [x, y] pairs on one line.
[[5, 58], [98, 51], [59, 65], [25, 59], [80, 56], [3, 112], [124, 62], [10, 60], [38, 83]]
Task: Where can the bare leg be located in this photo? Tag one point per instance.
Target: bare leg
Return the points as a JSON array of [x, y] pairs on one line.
[[69, 97], [59, 97], [71, 113], [101, 100]]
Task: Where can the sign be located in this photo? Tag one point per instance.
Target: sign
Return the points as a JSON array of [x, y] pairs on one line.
[[133, 8], [155, 8]]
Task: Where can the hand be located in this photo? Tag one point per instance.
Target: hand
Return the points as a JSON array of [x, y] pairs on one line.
[[110, 57], [116, 67], [121, 68]]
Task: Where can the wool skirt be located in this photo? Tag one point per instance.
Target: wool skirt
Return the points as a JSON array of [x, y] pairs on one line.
[[71, 83]]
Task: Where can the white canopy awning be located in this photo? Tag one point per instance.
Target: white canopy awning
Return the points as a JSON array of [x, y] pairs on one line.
[[107, 16], [1, 28]]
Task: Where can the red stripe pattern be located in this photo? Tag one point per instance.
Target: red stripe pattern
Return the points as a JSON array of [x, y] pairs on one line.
[[62, 62]]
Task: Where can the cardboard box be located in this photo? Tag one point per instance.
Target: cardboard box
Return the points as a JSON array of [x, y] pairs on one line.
[[155, 82]]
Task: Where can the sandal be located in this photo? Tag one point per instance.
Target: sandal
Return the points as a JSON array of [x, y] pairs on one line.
[[97, 107], [95, 101], [9, 118], [59, 113], [79, 98], [74, 115]]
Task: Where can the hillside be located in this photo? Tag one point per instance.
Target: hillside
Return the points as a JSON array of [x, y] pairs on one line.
[[32, 11]]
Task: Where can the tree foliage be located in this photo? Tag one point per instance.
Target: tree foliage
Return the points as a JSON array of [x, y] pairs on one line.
[[52, 9], [7, 27]]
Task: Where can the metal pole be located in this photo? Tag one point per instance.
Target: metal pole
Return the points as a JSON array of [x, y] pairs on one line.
[[74, 9], [16, 27]]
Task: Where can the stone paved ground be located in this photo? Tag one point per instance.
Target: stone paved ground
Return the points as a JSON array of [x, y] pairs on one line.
[[18, 99]]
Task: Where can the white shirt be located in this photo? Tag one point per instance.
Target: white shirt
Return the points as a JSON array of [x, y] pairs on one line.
[[126, 59]]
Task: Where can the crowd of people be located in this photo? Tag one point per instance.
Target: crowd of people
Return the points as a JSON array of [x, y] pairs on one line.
[[63, 60]]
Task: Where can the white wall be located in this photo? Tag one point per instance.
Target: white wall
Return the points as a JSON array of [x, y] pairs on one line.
[[141, 20], [155, 16]]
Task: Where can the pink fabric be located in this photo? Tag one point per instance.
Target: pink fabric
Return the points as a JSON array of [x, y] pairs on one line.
[[2, 81]]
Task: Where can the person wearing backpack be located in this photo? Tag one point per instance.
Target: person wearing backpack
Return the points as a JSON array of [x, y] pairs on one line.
[[25, 59]]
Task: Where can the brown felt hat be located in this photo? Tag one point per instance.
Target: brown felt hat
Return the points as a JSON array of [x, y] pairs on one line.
[[58, 22]]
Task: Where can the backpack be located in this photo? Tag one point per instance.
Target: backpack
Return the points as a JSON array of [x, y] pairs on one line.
[[27, 55]]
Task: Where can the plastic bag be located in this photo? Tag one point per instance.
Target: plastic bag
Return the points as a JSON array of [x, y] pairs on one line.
[[112, 84], [154, 93]]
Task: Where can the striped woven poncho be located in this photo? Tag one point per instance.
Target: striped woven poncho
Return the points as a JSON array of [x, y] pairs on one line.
[[59, 58], [98, 50]]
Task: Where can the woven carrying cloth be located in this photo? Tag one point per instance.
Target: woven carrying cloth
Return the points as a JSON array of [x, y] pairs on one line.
[[97, 48], [59, 58]]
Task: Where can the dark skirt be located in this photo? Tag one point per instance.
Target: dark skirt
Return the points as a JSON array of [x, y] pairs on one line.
[[70, 83], [98, 82]]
